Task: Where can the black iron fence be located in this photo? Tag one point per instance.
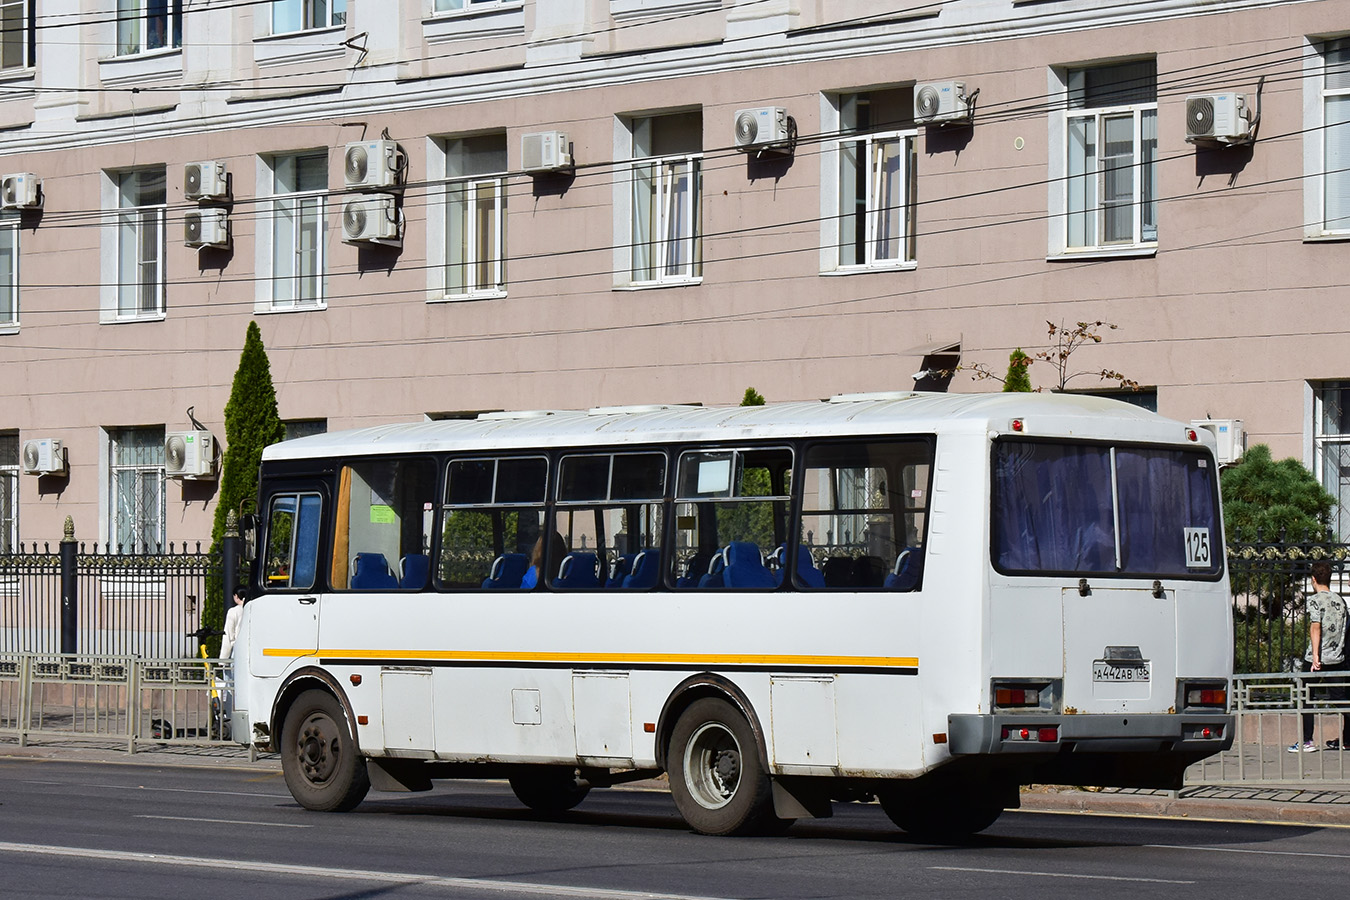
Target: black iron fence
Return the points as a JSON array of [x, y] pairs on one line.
[[103, 601]]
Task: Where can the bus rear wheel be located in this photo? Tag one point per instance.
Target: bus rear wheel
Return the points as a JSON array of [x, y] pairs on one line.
[[942, 816], [716, 778], [549, 789], [319, 758]]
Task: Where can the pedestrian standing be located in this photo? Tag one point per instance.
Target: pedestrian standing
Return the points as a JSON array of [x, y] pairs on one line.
[[1326, 651]]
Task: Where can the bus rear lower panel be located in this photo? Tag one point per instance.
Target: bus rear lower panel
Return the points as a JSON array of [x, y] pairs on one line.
[[1118, 750]]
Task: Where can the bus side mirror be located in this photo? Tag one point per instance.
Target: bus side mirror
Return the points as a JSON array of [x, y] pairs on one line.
[[248, 536]]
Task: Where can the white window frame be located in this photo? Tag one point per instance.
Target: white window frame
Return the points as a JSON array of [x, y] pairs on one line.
[[874, 208], [9, 275], [23, 9], [674, 256], [453, 7], [495, 286], [278, 293], [1321, 441], [333, 17], [136, 16], [9, 485], [153, 519], [1316, 99], [134, 221]]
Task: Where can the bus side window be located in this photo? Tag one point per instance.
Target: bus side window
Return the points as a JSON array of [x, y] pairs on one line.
[[609, 521], [864, 511], [292, 541], [493, 514], [382, 525]]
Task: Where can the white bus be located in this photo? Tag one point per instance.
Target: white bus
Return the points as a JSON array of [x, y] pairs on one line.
[[928, 599]]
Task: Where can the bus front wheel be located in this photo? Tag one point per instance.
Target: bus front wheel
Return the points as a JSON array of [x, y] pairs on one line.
[[549, 789], [322, 765], [716, 778]]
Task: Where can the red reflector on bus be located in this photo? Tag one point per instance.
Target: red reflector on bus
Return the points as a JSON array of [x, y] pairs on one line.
[[1048, 735], [1191, 435], [1017, 425], [649, 727], [1205, 732]]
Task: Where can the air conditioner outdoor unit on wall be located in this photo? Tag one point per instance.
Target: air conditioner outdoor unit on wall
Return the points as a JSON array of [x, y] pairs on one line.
[[22, 190], [763, 128], [189, 454], [941, 101], [545, 151], [1218, 118], [371, 217], [1230, 438], [372, 164], [206, 228], [44, 456], [205, 180]]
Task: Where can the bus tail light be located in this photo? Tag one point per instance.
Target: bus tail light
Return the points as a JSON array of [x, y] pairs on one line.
[[1047, 734], [1024, 695], [1203, 695]]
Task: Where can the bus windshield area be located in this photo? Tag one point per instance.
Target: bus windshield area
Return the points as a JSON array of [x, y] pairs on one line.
[[1070, 508]]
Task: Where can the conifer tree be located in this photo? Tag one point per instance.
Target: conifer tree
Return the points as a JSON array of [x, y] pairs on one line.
[[752, 398], [1018, 378], [251, 423]]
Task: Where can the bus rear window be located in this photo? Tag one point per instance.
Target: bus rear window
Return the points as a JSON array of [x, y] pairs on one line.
[[1061, 508]]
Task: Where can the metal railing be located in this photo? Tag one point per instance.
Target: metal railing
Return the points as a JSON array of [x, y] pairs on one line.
[[121, 700]]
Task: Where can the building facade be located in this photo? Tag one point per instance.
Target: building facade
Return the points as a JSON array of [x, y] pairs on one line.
[[384, 188]]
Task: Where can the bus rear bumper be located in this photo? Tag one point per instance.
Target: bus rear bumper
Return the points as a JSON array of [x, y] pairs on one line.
[[1201, 733]]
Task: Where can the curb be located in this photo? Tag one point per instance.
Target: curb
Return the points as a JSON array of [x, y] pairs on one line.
[[1291, 811]]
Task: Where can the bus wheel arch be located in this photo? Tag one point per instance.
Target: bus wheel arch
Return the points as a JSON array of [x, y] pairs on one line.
[[694, 688], [320, 756]]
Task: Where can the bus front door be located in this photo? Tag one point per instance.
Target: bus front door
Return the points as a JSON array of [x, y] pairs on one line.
[[284, 621]]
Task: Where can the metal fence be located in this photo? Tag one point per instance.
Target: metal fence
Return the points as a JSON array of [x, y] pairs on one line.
[[120, 700], [125, 604]]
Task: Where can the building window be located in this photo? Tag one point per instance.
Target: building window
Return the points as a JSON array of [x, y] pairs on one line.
[[1336, 136], [298, 428], [461, 5], [17, 38], [9, 272], [1111, 156], [1331, 449], [9, 492], [140, 243], [475, 216], [300, 185], [874, 225], [146, 25], [304, 15], [666, 221], [136, 489]]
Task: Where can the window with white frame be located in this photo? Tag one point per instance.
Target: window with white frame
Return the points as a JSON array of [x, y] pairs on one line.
[[9, 271], [462, 5], [1335, 107], [304, 15], [475, 216], [136, 489], [665, 221], [9, 491], [146, 25], [1331, 448], [141, 208], [875, 156], [1111, 156], [299, 186], [17, 38]]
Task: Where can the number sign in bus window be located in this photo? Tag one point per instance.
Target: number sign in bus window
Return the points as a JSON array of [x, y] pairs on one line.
[[292, 541], [1197, 548]]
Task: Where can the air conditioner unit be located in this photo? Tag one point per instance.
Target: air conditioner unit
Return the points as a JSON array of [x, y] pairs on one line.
[[22, 190], [372, 217], [43, 456], [205, 180], [1229, 436], [545, 151], [372, 164], [941, 101], [189, 454], [763, 128], [1218, 118], [206, 228]]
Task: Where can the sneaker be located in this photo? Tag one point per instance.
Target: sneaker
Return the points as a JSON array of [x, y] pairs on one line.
[[1334, 744], [1305, 747]]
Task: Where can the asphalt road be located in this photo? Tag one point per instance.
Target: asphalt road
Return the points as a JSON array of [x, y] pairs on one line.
[[89, 830]]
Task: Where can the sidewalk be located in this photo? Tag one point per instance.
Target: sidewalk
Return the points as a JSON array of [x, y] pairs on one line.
[[1320, 804]]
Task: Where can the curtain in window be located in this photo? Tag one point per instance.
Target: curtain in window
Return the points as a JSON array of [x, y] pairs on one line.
[[297, 229], [887, 199], [1052, 509], [1163, 492], [1337, 166], [644, 220], [1082, 182], [140, 241]]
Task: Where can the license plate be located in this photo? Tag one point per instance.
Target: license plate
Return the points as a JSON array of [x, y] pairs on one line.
[[1118, 671]]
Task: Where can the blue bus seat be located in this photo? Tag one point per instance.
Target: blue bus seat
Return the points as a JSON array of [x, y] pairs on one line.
[[646, 571], [370, 572], [623, 567], [907, 571], [413, 571], [578, 570], [807, 573], [507, 572], [716, 567], [745, 567]]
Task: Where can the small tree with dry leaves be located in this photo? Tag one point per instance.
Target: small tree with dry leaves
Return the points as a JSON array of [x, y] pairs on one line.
[[1065, 341]]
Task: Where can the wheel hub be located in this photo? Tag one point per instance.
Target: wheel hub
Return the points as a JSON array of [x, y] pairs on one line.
[[318, 745]]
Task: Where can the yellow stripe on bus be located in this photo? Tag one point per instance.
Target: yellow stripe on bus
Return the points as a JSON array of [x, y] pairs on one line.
[[619, 659]]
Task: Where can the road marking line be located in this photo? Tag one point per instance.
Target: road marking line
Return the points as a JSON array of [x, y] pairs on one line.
[[1256, 852], [1058, 875], [225, 821], [234, 865], [162, 790]]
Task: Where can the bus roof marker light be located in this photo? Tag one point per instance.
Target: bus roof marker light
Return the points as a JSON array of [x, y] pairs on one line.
[[1191, 435], [1018, 425]]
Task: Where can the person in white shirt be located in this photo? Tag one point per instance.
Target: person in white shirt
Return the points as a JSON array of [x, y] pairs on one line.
[[232, 623]]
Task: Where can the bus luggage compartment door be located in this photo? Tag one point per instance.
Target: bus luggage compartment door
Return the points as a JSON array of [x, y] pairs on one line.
[[1120, 650]]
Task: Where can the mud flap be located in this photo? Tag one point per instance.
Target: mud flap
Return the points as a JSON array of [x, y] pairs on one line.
[[800, 798]]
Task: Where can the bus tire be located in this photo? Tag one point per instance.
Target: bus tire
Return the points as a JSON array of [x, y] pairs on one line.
[[941, 816], [716, 778], [323, 767], [549, 789]]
